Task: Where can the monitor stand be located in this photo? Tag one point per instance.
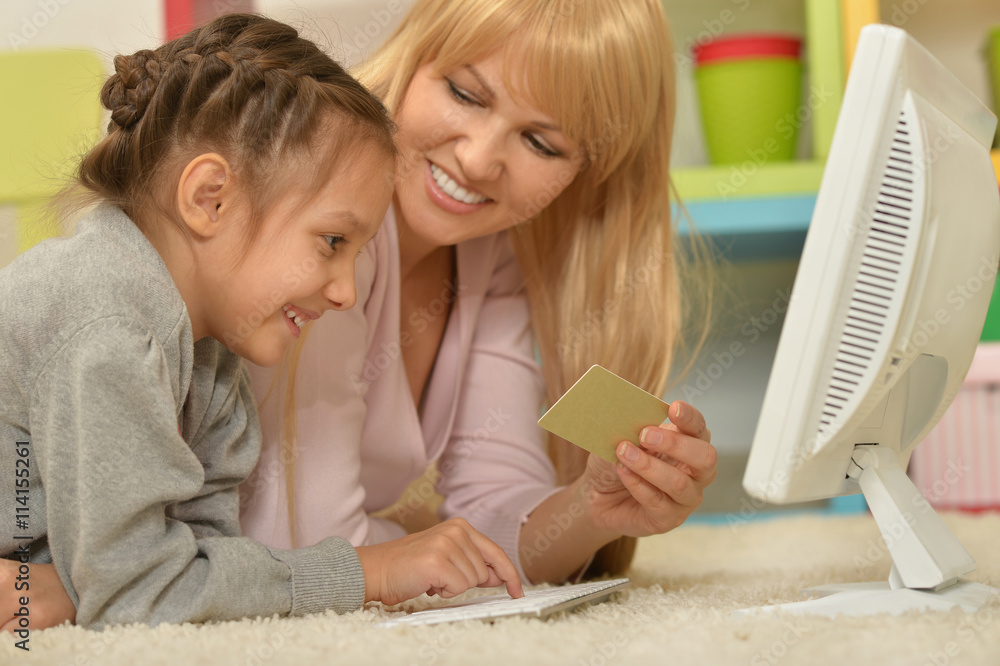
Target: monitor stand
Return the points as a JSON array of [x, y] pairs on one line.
[[927, 558]]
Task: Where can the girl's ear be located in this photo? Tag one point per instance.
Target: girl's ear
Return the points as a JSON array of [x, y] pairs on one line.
[[205, 194]]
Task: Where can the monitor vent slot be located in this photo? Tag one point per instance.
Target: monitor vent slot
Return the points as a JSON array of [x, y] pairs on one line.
[[877, 279]]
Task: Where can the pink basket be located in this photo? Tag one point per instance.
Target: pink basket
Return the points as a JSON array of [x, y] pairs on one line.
[[958, 465]]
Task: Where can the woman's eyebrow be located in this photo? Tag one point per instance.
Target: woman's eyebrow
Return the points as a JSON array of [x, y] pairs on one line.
[[482, 81]]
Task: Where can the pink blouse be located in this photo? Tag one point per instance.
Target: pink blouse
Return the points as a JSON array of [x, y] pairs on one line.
[[361, 439]]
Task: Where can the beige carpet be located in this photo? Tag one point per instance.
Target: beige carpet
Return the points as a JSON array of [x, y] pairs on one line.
[[685, 586]]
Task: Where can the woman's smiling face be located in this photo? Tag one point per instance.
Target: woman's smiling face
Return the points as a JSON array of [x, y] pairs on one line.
[[475, 161]]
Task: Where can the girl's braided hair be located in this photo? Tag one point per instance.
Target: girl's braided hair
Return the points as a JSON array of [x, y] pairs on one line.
[[242, 85]]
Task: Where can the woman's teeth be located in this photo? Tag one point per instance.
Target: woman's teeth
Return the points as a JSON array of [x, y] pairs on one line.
[[452, 189], [291, 314]]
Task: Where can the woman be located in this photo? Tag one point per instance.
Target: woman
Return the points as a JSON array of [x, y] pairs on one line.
[[531, 212], [532, 196]]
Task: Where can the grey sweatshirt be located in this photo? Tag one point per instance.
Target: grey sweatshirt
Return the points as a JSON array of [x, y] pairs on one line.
[[135, 439]]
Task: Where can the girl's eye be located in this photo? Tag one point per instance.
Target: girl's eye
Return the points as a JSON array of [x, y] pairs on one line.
[[333, 241], [461, 95], [540, 147]]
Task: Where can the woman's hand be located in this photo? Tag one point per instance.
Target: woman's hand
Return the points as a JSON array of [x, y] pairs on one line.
[[49, 604], [447, 559], [653, 488]]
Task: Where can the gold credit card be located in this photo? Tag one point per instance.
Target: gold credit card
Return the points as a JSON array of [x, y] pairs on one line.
[[601, 410]]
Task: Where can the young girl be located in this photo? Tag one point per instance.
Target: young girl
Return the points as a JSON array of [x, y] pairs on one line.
[[242, 173], [532, 197]]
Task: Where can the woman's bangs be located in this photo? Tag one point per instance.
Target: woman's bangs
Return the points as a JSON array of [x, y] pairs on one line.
[[567, 59], [462, 36], [567, 67]]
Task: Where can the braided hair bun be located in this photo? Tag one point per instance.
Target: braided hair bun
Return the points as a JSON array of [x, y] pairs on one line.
[[128, 92], [242, 85]]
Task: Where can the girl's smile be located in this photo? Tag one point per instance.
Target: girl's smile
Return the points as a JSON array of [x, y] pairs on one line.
[[297, 317]]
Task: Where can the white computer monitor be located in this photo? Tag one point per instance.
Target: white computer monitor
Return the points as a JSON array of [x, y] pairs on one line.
[[885, 314]]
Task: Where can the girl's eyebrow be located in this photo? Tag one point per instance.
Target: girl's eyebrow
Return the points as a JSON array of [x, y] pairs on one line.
[[345, 216], [492, 96]]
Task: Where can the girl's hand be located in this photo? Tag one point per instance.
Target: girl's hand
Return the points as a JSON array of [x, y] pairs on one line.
[[49, 604], [653, 488], [447, 559]]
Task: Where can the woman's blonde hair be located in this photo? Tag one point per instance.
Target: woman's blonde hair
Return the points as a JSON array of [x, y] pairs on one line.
[[599, 261]]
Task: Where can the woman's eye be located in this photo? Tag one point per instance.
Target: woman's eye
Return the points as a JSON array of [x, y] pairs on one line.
[[460, 94], [540, 147]]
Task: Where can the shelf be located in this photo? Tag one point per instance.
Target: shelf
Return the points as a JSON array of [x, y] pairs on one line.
[[756, 225], [759, 210], [753, 229], [750, 179]]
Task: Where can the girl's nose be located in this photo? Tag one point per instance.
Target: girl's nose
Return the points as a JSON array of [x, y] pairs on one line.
[[341, 291]]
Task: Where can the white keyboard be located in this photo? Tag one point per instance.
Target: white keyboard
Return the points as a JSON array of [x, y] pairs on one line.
[[534, 603]]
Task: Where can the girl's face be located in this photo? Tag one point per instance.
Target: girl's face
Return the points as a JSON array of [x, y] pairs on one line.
[[473, 161], [302, 262]]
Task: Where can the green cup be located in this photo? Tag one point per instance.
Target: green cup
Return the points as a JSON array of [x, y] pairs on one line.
[[750, 91]]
